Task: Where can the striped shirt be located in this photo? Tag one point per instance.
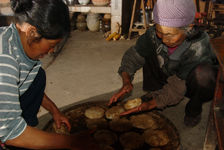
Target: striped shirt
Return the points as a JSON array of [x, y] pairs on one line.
[[17, 72]]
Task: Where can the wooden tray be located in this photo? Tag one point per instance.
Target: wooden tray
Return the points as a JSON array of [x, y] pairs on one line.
[[77, 119]]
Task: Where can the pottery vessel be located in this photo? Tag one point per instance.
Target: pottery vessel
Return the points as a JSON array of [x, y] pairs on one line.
[[93, 22], [69, 2], [83, 2], [81, 22], [81, 26], [100, 2]]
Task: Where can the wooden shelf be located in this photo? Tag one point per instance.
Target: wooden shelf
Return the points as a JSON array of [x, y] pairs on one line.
[[115, 9], [90, 8]]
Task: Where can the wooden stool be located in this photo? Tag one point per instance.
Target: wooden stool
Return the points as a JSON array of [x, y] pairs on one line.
[[145, 25]]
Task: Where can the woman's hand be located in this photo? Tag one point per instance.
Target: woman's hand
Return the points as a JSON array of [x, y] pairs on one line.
[[127, 88], [59, 119], [143, 107]]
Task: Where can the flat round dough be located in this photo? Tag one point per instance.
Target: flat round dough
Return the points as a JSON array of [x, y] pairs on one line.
[[114, 112], [94, 112], [97, 123], [131, 140], [132, 103], [120, 125], [156, 137], [144, 121], [105, 137]]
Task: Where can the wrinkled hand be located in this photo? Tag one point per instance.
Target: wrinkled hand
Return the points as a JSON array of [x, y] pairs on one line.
[[84, 141], [127, 88], [59, 119], [143, 107]]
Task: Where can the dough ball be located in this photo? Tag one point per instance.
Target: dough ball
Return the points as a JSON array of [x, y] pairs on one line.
[[114, 112], [105, 137], [131, 140], [156, 137], [62, 130], [132, 103], [94, 112], [120, 125], [144, 121], [96, 123]]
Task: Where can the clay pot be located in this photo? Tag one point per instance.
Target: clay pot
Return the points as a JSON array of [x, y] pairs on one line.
[[81, 18], [93, 22], [83, 2], [100, 2], [69, 2], [107, 16], [81, 26], [81, 22]]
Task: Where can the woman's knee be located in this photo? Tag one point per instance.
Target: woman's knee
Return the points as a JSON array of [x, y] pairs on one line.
[[205, 75]]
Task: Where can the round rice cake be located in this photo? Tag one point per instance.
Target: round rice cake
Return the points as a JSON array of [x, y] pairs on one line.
[[114, 112], [156, 138], [94, 112], [131, 140], [120, 125], [132, 103], [105, 137], [144, 121], [97, 123]]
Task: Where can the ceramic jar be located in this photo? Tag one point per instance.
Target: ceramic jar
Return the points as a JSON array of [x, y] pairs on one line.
[[69, 2], [83, 2], [93, 22], [100, 2], [81, 26], [81, 22]]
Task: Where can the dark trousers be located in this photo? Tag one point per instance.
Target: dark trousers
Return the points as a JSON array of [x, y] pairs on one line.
[[200, 84], [31, 100]]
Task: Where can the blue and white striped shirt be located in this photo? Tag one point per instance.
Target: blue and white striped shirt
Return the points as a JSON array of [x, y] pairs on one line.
[[17, 72]]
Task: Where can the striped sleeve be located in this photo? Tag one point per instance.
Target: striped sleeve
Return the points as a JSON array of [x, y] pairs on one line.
[[11, 122]]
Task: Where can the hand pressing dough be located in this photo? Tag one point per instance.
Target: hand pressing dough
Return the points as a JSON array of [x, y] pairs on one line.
[[62, 130]]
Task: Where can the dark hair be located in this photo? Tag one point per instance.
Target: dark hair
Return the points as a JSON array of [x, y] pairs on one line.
[[50, 17]]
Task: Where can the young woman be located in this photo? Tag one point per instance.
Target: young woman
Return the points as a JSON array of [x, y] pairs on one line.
[[177, 61], [40, 26]]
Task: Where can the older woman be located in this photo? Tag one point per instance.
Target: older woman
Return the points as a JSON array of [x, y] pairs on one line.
[[177, 61]]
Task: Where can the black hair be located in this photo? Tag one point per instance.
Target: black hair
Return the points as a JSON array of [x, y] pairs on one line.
[[50, 17]]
